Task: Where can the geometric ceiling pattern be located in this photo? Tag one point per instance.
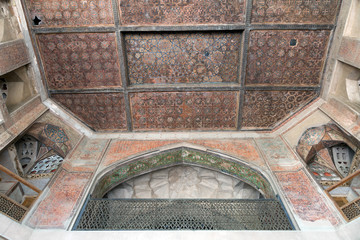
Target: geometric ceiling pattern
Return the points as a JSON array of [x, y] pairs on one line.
[[124, 65]]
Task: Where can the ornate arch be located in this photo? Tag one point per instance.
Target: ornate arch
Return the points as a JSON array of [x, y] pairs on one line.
[[182, 156], [313, 147], [317, 138]]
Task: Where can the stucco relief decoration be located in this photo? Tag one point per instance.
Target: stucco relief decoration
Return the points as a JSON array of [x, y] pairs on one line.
[[183, 57], [103, 111], [80, 60], [190, 110], [265, 109], [165, 12], [295, 11], [284, 57], [70, 13]]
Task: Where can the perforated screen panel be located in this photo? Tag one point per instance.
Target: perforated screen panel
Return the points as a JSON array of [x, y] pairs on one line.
[[183, 214]]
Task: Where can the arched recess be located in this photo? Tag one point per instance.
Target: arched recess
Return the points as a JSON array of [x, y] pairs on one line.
[[110, 178], [52, 136], [315, 146], [42, 149]]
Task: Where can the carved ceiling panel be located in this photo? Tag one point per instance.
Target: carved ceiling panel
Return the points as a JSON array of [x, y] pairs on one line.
[[183, 57], [176, 12], [265, 109], [80, 60], [64, 13], [102, 111], [286, 57], [184, 111], [182, 65], [295, 11]]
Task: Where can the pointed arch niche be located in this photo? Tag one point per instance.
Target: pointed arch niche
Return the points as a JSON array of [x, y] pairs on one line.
[[115, 175], [99, 213]]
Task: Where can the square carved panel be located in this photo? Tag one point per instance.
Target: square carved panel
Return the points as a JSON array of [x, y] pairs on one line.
[[177, 12], [184, 110], [286, 57], [295, 11], [101, 111], [66, 13], [80, 60], [155, 58], [266, 109]]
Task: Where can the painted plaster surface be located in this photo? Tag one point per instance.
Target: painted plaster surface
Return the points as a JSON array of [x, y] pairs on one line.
[[121, 150], [54, 13], [192, 48], [13, 55], [178, 12], [73, 135], [51, 136], [182, 57], [286, 57], [243, 149], [293, 134], [350, 50], [86, 156], [304, 197], [59, 205], [325, 159], [178, 157], [316, 139], [21, 124], [100, 111], [278, 154], [190, 110], [299, 11], [265, 109], [57, 208], [80, 60]]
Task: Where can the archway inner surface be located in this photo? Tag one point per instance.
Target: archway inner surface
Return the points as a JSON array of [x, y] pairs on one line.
[[184, 182]]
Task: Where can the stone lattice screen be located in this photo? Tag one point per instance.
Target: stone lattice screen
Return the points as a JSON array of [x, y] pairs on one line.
[[182, 64]]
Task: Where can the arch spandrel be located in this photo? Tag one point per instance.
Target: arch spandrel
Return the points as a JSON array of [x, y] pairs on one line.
[[182, 156]]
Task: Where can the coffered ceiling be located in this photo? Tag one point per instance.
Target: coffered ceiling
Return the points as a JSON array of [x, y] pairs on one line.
[[172, 65]]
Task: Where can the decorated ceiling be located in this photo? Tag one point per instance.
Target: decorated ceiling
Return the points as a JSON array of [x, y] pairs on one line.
[[171, 65]]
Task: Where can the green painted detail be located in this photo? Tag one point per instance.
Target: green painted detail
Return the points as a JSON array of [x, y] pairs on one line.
[[182, 156], [236, 169]]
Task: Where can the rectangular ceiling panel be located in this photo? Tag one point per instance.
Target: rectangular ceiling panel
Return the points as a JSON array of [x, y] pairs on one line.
[[295, 11], [100, 111], [200, 57], [266, 109], [80, 60], [177, 12], [184, 110], [286, 57], [67, 13]]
